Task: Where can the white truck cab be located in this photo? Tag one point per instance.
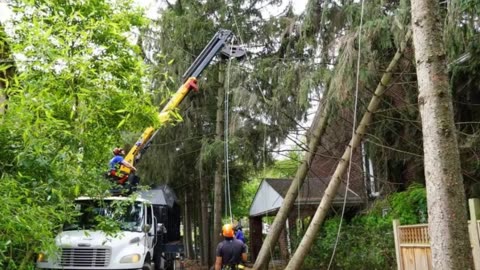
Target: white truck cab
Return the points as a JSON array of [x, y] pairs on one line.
[[83, 246]]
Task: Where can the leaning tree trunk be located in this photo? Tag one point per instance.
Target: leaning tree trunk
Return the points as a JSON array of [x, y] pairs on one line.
[[317, 220], [447, 215], [263, 257], [218, 188]]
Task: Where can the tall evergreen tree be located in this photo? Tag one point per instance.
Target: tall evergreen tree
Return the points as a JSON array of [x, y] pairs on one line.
[[447, 212], [267, 93]]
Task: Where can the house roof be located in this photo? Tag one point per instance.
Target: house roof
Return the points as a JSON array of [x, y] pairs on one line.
[[271, 193]]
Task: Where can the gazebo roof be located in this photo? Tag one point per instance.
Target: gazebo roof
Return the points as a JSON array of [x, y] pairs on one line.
[[271, 193]]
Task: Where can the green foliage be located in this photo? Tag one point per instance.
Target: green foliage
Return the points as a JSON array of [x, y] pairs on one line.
[[267, 92], [410, 207], [246, 191], [30, 218], [367, 238], [243, 197], [461, 31], [80, 83], [284, 168]]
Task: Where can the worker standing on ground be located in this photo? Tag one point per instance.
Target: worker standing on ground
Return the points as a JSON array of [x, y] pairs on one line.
[[231, 252], [115, 163]]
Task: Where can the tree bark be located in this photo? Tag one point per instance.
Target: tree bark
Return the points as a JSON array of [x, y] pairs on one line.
[[322, 210], [204, 224], [188, 226], [263, 257], [447, 215], [218, 188]]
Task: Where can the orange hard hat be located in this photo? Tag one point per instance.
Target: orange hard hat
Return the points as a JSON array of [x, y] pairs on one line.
[[227, 230]]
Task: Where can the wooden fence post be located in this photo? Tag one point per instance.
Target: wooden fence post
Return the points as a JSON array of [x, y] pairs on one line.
[[396, 234], [474, 206]]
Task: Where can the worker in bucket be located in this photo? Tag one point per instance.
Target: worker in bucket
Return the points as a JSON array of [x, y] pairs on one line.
[[114, 166]]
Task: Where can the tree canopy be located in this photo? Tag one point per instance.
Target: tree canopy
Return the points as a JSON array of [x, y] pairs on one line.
[[79, 84], [78, 78]]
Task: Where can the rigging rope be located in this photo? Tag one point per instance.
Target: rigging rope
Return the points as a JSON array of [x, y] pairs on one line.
[[354, 124], [226, 142]]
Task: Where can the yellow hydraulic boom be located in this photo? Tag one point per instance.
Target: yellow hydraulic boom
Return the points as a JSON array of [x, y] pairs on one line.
[[218, 44], [164, 117]]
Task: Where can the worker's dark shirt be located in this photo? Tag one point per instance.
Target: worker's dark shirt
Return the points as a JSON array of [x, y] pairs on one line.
[[231, 251]]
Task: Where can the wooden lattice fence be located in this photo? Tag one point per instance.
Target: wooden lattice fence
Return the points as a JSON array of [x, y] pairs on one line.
[[412, 242]]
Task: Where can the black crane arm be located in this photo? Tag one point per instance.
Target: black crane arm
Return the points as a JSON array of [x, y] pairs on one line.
[[218, 44]]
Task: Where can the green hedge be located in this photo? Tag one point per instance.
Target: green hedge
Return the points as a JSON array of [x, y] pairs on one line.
[[366, 240]]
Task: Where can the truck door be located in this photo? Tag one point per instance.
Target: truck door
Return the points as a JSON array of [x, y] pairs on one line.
[[150, 221]]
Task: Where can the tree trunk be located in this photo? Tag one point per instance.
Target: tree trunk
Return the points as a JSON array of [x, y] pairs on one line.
[[218, 189], [188, 226], [196, 242], [447, 215], [263, 257], [317, 220], [204, 224]]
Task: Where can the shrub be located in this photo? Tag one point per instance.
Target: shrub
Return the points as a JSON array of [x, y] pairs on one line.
[[366, 241]]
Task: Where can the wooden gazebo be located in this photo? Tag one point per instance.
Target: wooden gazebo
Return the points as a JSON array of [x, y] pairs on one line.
[[269, 198]]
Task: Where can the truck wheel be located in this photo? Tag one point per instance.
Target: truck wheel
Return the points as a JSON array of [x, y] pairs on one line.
[[147, 266]]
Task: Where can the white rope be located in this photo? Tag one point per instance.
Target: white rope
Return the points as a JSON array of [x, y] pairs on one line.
[[263, 96], [354, 124], [226, 142]]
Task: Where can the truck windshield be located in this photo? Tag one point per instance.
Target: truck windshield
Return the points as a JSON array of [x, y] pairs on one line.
[[92, 213]]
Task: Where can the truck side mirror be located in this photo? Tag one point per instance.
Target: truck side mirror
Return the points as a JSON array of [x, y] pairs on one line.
[[146, 228]]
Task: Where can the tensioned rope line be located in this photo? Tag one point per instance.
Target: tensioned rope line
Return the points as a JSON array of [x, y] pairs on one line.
[[354, 124], [226, 142]]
